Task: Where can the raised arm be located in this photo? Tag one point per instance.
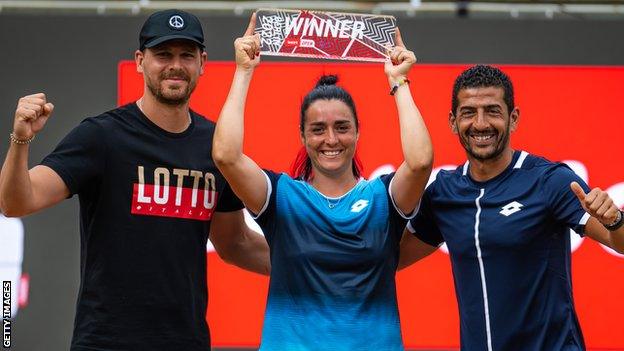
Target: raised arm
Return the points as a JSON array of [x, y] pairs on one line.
[[411, 178], [24, 191], [247, 180]]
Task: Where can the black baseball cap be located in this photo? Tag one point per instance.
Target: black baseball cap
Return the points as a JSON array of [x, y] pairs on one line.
[[168, 25]]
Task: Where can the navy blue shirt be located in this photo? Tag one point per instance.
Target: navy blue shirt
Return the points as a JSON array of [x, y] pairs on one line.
[[509, 244]]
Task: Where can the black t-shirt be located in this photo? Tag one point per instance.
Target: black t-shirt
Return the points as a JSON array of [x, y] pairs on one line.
[[146, 200]]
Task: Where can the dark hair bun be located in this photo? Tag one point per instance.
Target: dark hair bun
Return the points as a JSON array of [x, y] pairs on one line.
[[330, 79]]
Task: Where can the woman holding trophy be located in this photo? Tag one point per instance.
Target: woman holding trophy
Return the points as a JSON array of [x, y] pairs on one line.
[[334, 237]]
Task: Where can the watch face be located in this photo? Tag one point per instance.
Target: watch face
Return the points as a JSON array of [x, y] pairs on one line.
[[617, 223]]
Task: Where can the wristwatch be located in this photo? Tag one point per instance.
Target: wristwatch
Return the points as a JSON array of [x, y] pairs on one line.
[[615, 225]]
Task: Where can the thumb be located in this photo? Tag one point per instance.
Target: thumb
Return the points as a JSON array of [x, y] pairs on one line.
[[48, 108], [578, 191]]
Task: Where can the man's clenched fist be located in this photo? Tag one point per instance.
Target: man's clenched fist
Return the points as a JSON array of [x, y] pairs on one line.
[[31, 115]]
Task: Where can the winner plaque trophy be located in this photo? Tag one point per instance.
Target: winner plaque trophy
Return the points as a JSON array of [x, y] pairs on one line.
[[327, 35]]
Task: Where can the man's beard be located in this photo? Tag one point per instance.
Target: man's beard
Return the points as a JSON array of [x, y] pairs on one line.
[[168, 99], [498, 150]]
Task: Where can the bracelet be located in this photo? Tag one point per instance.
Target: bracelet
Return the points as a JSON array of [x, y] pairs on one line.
[[17, 141], [619, 221], [396, 85]]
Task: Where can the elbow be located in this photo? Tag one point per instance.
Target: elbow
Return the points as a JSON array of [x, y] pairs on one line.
[[227, 259], [426, 164], [225, 253], [267, 269], [421, 162], [224, 156], [229, 251], [12, 208], [426, 161], [11, 211], [406, 259], [421, 165]]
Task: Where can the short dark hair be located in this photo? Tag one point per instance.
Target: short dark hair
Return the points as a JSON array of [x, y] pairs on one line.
[[483, 76]]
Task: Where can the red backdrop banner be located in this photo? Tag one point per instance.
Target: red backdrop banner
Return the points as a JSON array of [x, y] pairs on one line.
[[567, 114]]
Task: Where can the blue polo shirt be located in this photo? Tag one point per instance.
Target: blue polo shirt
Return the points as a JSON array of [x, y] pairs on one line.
[[333, 263], [509, 245]]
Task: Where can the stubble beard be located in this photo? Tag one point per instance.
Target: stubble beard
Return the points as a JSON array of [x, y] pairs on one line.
[[498, 150], [172, 99]]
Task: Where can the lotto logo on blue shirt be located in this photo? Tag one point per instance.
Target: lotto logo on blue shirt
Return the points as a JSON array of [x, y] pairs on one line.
[[359, 205], [181, 193]]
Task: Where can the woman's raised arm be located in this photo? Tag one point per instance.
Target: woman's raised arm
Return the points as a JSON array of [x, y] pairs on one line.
[[411, 178], [246, 178]]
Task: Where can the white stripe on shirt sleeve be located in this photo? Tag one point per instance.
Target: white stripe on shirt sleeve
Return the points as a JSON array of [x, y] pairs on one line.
[[584, 219], [268, 197], [411, 215]]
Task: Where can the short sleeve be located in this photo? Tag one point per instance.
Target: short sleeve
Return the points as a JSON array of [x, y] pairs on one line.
[[562, 202], [268, 209], [228, 201], [396, 218], [423, 225], [267, 215], [80, 158], [388, 179]]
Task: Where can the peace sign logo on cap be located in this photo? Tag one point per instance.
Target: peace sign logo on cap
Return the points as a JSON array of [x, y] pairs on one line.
[[176, 22]]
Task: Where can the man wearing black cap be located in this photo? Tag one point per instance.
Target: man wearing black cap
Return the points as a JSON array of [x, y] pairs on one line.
[[149, 195]]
